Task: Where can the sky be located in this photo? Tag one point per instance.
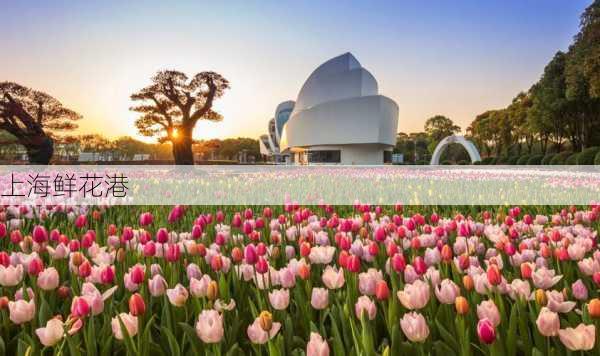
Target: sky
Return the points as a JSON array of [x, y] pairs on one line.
[[456, 58]]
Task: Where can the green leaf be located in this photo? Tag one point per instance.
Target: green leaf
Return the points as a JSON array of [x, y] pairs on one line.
[[192, 336], [173, 345], [511, 335], [450, 340]]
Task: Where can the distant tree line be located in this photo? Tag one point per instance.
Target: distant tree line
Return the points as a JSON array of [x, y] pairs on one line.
[[559, 116]]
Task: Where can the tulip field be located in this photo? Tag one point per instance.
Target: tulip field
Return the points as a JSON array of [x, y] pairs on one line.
[[299, 280]]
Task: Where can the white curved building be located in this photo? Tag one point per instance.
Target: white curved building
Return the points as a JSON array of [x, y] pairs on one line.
[[338, 117]]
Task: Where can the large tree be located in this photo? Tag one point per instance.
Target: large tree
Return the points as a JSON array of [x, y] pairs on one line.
[[33, 118], [173, 104], [439, 127]]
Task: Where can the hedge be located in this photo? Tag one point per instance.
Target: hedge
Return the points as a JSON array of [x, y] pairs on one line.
[[535, 159], [548, 158], [512, 160], [523, 160], [572, 159], [586, 157], [560, 158], [597, 160]]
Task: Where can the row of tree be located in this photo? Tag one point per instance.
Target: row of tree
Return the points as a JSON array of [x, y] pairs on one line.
[[559, 112]]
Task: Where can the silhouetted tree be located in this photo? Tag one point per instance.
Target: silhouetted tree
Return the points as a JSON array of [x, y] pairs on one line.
[[33, 117], [172, 105]]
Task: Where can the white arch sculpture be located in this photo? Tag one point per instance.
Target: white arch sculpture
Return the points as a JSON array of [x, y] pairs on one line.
[[468, 145]]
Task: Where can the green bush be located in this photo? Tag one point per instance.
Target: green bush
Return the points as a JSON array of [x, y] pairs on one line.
[[487, 161], [502, 160], [586, 157], [535, 160], [493, 160], [547, 158], [572, 159], [523, 160], [560, 158], [463, 162], [512, 160], [597, 160]]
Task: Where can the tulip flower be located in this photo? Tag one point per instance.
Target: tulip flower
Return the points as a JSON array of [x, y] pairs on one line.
[[414, 326], [80, 307], [258, 335], [48, 279], [447, 292], [137, 305], [279, 298], [319, 298], [11, 276], [198, 288], [209, 327], [582, 338], [415, 295], [21, 311], [157, 285], [556, 302], [382, 291], [367, 306], [486, 331], [548, 322], [594, 308], [52, 333], [130, 323], [178, 295], [488, 310], [333, 278], [317, 346]]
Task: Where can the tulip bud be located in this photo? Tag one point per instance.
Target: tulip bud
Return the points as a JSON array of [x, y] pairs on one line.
[[212, 291], [493, 275], [540, 297], [4, 302], [468, 282], [486, 331], [85, 269], [526, 270], [594, 308], [446, 253], [216, 263], [80, 307], [305, 249], [382, 290], [64, 292], [237, 255], [304, 271], [266, 320], [137, 306], [462, 305], [36, 265]]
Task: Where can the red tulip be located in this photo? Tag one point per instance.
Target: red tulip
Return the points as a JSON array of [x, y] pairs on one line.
[[486, 331], [137, 306], [80, 307], [172, 253], [137, 274], [382, 291], [36, 265], [493, 275], [39, 235], [398, 262], [353, 264]]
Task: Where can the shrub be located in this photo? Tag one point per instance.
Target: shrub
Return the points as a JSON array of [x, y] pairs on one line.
[[493, 160], [502, 160], [523, 160], [535, 159], [463, 162], [486, 161], [547, 158], [597, 160], [512, 160], [586, 157], [560, 158], [572, 159]]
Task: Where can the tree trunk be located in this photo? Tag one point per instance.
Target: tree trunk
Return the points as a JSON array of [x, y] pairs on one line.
[[182, 150], [39, 149]]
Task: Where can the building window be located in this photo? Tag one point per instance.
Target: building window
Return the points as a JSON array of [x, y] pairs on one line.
[[387, 156], [333, 156]]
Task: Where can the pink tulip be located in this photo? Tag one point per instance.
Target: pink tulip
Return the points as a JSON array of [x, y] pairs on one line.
[[209, 327], [367, 306], [279, 298], [178, 295], [146, 219], [486, 331], [319, 298], [199, 287], [80, 307], [415, 295], [557, 304], [582, 338], [157, 285], [414, 327], [580, 291], [367, 281], [39, 234], [52, 333], [447, 292], [21, 311], [130, 323], [544, 278], [488, 310], [333, 278], [257, 335], [11, 276], [48, 279], [317, 346], [287, 278], [548, 322]]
